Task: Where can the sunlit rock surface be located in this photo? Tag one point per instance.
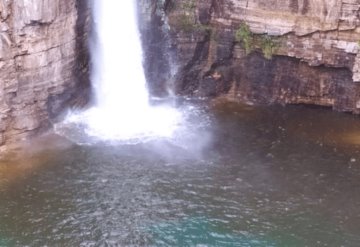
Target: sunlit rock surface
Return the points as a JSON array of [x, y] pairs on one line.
[[42, 62], [316, 60]]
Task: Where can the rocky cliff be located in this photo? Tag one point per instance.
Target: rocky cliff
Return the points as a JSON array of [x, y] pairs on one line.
[[253, 51], [268, 51], [43, 62]]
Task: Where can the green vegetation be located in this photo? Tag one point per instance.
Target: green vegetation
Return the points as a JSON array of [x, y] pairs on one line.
[[187, 20], [250, 41], [244, 35], [188, 25], [268, 46]]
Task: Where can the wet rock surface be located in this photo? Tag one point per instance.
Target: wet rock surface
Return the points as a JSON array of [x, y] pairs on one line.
[[302, 51], [155, 39], [43, 63]]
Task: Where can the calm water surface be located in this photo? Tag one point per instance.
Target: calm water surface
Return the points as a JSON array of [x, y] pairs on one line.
[[251, 176]]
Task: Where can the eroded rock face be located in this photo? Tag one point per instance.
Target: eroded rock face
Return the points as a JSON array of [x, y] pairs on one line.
[[43, 62], [315, 59], [155, 38]]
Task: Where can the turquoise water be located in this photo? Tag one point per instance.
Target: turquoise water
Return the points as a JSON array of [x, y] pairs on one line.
[[200, 231], [251, 176], [4, 242]]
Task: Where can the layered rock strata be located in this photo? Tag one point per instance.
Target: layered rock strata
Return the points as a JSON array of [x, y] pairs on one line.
[[312, 50], [43, 63]]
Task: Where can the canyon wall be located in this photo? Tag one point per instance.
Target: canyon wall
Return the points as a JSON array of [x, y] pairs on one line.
[[252, 51], [268, 51], [43, 63]]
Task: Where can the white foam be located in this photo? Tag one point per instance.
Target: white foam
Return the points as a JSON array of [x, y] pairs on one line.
[[122, 110]]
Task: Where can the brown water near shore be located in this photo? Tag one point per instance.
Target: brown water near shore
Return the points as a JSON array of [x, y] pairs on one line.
[[251, 176]]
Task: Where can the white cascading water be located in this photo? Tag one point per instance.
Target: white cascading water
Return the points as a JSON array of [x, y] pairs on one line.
[[122, 111]]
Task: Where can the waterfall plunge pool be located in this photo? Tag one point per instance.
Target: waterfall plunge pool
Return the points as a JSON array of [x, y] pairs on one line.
[[250, 176]]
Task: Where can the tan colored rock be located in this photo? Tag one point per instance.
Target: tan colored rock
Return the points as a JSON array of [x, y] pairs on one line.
[[278, 17], [356, 69], [38, 63], [317, 42]]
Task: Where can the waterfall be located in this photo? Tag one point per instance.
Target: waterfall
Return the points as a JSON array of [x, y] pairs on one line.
[[121, 110], [117, 74]]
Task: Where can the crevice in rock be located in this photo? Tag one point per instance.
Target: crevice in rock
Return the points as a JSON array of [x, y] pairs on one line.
[[77, 96]]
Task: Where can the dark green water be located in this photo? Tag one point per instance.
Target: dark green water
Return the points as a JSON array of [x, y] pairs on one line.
[[251, 177]]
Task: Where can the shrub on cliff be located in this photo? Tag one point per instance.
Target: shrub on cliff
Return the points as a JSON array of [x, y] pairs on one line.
[[250, 41], [267, 46], [244, 35]]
